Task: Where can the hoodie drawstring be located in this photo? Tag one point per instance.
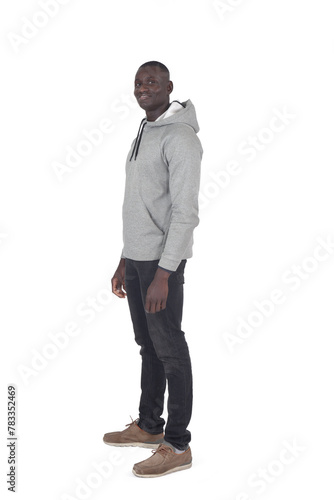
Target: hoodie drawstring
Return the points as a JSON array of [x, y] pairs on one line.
[[138, 139], [135, 149]]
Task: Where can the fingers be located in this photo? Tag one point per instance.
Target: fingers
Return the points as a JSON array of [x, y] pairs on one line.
[[147, 306], [154, 307], [116, 287]]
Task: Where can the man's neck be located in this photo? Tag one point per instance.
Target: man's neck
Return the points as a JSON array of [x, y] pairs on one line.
[[153, 115]]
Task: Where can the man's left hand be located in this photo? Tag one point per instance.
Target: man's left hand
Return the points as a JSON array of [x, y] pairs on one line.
[[157, 292]]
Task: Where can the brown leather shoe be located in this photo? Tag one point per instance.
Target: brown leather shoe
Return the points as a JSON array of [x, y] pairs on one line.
[[133, 436], [164, 461]]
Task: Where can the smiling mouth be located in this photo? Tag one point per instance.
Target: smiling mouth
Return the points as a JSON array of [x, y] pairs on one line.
[[143, 97]]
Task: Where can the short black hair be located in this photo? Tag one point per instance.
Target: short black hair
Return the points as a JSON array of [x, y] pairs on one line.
[[158, 64]]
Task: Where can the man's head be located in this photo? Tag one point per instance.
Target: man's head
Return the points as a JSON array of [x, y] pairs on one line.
[[152, 88]]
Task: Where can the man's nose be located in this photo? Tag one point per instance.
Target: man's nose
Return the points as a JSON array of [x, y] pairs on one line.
[[143, 88]]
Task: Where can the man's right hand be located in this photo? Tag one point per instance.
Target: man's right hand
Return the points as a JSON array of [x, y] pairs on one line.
[[118, 280]]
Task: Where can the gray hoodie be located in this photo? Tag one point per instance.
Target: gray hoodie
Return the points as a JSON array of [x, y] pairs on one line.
[[160, 209]]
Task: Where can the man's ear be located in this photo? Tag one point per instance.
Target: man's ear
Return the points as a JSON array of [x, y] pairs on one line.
[[170, 87]]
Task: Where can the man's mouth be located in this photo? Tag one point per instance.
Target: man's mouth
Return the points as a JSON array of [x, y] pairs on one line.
[[143, 97]]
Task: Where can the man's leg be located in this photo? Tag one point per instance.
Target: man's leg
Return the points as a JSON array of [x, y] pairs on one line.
[[172, 350], [153, 379]]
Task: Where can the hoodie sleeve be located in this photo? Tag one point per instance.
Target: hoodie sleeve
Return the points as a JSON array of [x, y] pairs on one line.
[[182, 153]]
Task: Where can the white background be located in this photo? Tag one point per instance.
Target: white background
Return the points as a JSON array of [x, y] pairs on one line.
[[60, 242]]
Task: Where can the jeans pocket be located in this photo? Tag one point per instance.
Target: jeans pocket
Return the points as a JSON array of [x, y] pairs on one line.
[[179, 273], [180, 278]]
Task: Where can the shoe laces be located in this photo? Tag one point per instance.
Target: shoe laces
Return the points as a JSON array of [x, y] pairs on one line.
[[132, 422], [162, 449]]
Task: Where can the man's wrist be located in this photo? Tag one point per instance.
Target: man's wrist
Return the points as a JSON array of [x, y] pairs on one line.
[[162, 273], [164, 269]]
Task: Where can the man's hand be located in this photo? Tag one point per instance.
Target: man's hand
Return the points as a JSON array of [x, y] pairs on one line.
[[157, 292], [118, 280]]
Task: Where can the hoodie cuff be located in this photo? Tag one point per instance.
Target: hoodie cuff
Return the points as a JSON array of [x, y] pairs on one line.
[[168, 270], [168, 264]]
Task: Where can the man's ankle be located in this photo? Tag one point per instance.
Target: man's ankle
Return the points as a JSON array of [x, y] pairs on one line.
[[175, 449]]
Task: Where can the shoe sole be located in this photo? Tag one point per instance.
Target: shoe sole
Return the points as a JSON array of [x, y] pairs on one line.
[[138, 445], [176, 469]]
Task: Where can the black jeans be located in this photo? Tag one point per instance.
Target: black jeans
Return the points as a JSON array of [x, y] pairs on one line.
[[164, 351]]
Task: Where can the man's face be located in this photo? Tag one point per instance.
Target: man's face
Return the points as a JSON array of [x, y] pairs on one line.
[[152, 88]]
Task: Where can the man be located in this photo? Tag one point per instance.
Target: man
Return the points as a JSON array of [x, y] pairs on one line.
[[160, 212]]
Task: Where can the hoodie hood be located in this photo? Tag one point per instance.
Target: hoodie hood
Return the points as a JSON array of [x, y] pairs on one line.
[[186, 115]]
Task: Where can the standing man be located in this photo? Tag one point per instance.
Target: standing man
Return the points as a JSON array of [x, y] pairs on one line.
[[160, 212]]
